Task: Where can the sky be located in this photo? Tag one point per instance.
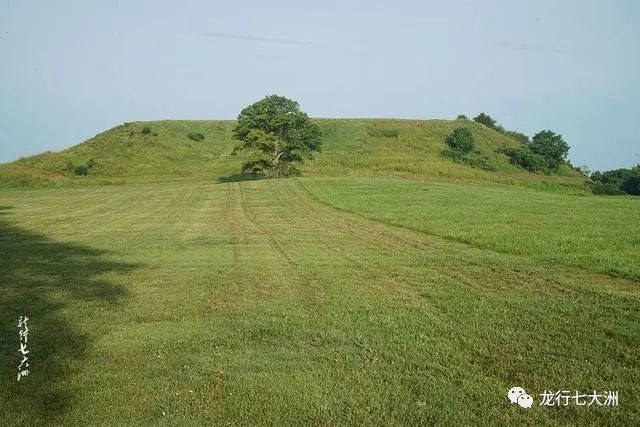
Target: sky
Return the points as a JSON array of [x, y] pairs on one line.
[[72, 69]]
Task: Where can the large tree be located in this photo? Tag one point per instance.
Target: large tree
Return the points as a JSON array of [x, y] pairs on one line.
[[277, 136], [551, 146]]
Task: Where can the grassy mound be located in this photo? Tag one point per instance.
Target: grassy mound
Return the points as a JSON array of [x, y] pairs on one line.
[[179, 149]]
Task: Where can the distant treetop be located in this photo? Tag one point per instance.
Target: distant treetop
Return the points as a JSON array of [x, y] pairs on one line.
[[486, 120]]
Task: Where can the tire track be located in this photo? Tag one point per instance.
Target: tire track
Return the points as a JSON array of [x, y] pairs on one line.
[[308, 287], [230, 225], [374, 235], [320, 223], [461, 256], [264, 230]]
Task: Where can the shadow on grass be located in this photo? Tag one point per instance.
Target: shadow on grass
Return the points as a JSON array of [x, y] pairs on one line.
[[45, 280], [238, 177]]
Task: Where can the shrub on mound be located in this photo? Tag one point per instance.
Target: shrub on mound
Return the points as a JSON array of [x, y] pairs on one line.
[[473, 159], [604, 189], [460, 140], [196, 136], [383, 132], [486, 120], [527, 159], [632, 184], [81, 170]]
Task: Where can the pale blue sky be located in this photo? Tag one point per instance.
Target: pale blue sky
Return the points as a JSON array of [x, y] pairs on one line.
[[71, 69]]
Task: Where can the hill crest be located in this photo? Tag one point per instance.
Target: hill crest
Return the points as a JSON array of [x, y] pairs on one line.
[[169, 149]]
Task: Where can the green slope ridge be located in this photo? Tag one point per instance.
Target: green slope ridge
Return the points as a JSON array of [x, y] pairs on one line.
[[158, 150]]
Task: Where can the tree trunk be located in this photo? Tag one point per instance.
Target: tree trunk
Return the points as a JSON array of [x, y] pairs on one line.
[[276, 162]]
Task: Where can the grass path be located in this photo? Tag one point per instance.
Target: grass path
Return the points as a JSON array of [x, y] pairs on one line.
[[251, 302]]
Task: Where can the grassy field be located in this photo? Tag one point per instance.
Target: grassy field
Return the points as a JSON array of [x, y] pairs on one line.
[[300, 302], [599, 234]]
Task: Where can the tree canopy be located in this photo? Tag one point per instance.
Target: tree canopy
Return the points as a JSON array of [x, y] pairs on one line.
[[551, 146], [277, 136], [619, 180], [486, 120], [631, 184]]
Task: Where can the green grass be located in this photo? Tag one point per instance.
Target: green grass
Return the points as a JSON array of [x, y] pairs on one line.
[[356, 147], [126, 153], [409, 149], [168, 288], [16, 176], [195, 302], [597, 233]]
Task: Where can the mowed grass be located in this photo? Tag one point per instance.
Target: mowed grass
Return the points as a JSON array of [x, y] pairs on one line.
[[249, 303], [597, 233]]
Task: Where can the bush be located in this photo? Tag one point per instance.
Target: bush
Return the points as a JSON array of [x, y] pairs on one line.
[[461, 117], [486, 120], [615, 177], [383, 132], [631, 185], [196, 136], [473, 159], [604, 189], [146, 130], [81, 170], [616, 181], [527, 159], [460, 140]]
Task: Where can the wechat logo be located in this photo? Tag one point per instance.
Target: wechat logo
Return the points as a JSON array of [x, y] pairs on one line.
[[519, 395]]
